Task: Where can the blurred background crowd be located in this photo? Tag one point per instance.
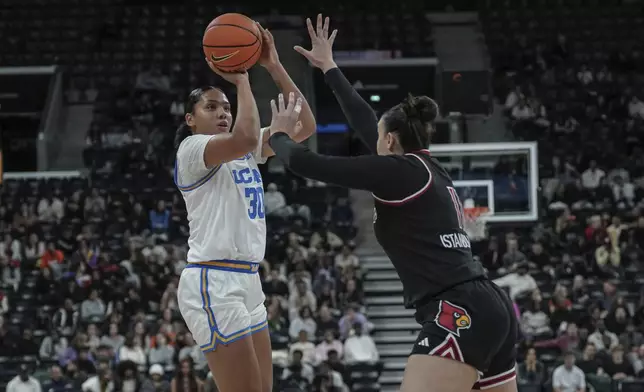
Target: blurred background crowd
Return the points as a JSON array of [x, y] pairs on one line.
[[89, 265]]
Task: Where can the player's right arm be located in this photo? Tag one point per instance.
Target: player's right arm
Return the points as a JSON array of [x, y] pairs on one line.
[[225, 147], [358, 112]]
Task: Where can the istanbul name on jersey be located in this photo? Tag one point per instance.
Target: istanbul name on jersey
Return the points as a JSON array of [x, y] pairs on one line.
[[225, 204], [423, 233]]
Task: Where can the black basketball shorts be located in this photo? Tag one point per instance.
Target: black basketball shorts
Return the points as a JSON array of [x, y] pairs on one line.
[[474, 323]]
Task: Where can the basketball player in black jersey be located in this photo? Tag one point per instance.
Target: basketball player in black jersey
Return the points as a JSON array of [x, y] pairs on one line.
[[468, 324]]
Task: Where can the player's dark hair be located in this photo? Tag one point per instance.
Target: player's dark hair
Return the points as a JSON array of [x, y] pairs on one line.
[[412, 120], [184, 129]]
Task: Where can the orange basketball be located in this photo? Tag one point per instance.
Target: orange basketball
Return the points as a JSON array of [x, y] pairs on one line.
[[232, 42]]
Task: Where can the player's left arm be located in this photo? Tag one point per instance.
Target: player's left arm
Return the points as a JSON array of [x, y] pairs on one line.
[[270, 60], [383, 175]]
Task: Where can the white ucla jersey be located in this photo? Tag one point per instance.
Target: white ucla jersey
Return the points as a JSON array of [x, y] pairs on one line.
[[225, 204]]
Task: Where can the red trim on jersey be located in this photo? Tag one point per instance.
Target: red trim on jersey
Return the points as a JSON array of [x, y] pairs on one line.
[[495, 381], [423, 151], [449, 348], [415, 194]]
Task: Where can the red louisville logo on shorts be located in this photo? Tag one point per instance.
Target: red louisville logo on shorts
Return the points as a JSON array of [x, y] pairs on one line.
[[452, 318]]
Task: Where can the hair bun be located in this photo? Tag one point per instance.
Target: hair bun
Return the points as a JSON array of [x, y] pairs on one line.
[[421, 107]]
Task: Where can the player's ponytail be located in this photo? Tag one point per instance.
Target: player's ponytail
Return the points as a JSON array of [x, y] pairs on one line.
[[182, 132], [184, 129], [412, 120]]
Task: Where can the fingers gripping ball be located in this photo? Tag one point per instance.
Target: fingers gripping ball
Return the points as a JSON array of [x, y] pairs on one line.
[[232, 42]]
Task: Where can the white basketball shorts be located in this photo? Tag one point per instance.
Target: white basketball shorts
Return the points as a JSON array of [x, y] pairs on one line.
[[221, 301]]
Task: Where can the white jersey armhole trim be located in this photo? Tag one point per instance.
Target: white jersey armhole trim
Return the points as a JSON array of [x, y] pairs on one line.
[[415, 194], [257, 154]]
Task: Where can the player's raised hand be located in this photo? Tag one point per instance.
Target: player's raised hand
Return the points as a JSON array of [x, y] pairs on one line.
[[233, 77], [269, 57], [285, 115], [321, 53]]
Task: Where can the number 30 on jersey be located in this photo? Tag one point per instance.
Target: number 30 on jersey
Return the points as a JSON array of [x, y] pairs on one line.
[[251, 180], [255, 197]]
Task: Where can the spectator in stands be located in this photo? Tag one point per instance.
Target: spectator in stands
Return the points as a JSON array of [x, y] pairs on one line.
[[346, 258], [57, 381], [52, 346], [275, 283], [275, 202], [34, 248], [47, 287], [303, 322], [129, 379], [27, 344], [602, 338], [9, 271], [535, 323], [161, 353], [85, 361], [636, 358], [341, 213], [185, 379], [159, 384], [617, 367], [519, 282], [93, 308], [326, 322], [360, 347], [531, 371], [103, 381], [513, 256], [617, 320], [298, 373], [52, 257], [304, 345], [591, 177], [568, 377], [327, 374], [329, 343], [567, 341], [522, 112], [160, 219], [348, 322], [301, 297], [23, 382], [113, 339], [631, 337], [66, 318], [191, 350], [589, 362], [132, 350]]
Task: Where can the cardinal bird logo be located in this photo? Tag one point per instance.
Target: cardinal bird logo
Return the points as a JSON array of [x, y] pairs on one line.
[[452, 318]]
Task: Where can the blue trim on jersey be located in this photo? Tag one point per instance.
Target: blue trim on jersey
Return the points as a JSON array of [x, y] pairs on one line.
[[198, 183], [245, 267], [216, 336]]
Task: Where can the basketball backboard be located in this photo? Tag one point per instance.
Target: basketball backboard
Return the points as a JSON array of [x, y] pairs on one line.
[[502, 177]]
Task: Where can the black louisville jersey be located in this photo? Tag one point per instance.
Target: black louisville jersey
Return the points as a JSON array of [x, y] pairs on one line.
[[423, 233]]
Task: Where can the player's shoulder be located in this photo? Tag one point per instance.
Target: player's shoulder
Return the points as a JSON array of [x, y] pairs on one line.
[[192, 143]]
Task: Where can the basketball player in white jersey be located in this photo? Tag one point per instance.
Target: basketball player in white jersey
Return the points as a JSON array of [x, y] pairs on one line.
[[220, 295]]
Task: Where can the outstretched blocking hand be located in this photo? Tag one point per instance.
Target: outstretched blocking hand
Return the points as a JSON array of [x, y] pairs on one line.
[[285, 116], [321, 53]]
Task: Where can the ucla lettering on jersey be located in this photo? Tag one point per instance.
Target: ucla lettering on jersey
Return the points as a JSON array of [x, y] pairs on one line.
[[226, 210]]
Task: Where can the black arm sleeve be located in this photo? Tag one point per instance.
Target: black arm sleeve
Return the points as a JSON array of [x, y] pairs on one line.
[[359, 114], [387, 176]]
